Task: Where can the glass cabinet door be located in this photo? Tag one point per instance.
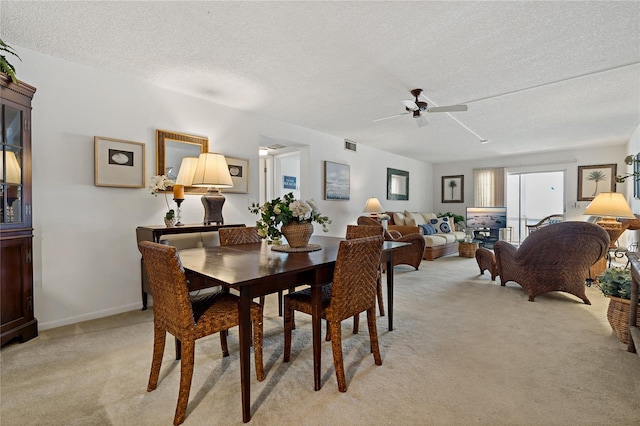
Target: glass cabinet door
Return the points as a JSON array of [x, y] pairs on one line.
[[11, 166]]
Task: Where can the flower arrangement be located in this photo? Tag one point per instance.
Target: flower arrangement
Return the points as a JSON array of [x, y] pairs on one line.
[[283, 211], [384, 216], [162, 183]]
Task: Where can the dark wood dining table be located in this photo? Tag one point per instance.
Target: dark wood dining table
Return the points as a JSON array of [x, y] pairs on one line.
[[256, 270]]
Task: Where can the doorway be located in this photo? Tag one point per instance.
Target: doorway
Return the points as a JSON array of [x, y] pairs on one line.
[[531, 197], [282, 171]]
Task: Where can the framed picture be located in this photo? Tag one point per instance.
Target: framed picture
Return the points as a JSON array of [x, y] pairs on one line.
[[118, 163], [453, 189], [239, 171], [337, 180], [397, 184], [593, 180]]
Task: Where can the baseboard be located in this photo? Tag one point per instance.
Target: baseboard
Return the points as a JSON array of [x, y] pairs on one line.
[[89, 316]]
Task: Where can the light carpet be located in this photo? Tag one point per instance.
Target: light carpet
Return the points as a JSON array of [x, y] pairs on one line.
[[465, 351]]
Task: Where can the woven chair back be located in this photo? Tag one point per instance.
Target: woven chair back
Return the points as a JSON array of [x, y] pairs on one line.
[[354, 277], [240, 235], [358, 231], [171, 304], [369, 221], [572, 244]]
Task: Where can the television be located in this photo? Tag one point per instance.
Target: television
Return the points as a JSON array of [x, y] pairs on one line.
[[487, 217]]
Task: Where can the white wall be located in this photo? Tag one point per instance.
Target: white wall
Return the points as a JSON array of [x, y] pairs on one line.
[[86, 264], [555, 161]]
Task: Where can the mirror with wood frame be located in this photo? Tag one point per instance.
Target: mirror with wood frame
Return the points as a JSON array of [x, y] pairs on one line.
[[172, 147]]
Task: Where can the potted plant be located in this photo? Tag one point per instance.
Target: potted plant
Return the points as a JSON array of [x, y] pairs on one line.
[[615, 283], [162, 184], [280, 213], [5, 66]]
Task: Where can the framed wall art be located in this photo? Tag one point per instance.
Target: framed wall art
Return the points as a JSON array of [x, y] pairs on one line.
[[337, 181], [453, 189], [239, 171], [118, 163], [397, 184], [593, 180], [636, 176]]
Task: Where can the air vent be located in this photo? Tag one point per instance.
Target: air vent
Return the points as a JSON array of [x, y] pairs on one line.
[[350, 145]]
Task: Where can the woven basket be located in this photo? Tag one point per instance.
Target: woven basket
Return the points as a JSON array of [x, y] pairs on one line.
[[467, 249], [297, 234], [618, 316]]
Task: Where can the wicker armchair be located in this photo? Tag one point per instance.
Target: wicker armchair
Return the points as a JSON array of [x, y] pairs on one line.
[[189, 318], [554, 218], [353, 291], [407, 255], [554, 258]]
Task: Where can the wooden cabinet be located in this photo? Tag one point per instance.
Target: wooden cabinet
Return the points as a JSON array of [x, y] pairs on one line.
[[16, 232]]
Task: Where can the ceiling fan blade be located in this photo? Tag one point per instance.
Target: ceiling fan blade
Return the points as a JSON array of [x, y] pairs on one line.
[[421, 121], [390, 116], [411, 105], [450, 108]]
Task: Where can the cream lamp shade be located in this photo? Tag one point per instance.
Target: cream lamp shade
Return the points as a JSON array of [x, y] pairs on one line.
[[609, 206], [187, 170], [14, 174], [212, 171], [373, 206], [185, 177]]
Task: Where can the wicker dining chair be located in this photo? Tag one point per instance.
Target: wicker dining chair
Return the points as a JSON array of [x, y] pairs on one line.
[[353, 291], [407, 255], [189, 318], [246, 235], [363, 231]]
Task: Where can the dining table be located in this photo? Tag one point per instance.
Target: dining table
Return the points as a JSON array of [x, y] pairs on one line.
[[255, 270]]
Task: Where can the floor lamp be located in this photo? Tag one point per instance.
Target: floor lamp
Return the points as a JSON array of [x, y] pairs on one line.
[[212, 172]]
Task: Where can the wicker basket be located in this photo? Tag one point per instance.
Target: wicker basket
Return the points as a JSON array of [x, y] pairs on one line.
[[467, 249], [297, 234], [618, 316]]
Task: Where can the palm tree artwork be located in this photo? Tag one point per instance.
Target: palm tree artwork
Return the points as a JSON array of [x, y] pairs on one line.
[[596, 176], [453, 185]]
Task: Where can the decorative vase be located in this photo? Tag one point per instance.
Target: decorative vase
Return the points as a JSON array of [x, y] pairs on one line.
[[170, 223], [297, 234], [618, 316]]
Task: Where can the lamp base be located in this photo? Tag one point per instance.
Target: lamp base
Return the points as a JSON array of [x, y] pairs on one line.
[[213, 201], [178, 213], [613, 228]]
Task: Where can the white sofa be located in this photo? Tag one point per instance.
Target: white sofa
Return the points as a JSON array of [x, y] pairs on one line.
[[440, 234]]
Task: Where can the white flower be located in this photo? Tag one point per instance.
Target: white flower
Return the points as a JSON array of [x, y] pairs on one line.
[[160, 183], [301, 210]]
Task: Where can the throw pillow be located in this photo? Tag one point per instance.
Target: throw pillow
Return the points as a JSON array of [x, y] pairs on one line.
[[428, 216], [398, 219], [413, 219], [442, 225], [427, 229]]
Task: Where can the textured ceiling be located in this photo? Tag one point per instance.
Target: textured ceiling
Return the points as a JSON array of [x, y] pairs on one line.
[[537, 76]]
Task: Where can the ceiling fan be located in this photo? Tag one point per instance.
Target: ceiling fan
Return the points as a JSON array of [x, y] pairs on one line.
[[417, 107]]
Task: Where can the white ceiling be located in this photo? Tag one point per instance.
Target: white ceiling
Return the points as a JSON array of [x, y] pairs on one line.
[[537, 76]]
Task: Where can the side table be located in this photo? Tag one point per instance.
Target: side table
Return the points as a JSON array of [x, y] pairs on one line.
[[467, 249]]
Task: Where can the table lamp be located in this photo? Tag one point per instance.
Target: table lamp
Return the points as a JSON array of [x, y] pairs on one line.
[[373, 206], [609, 206], [212, 172], [185, 178], [13, 179]]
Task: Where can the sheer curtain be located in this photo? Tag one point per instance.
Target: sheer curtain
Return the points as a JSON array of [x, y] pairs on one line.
[[488, 185]]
